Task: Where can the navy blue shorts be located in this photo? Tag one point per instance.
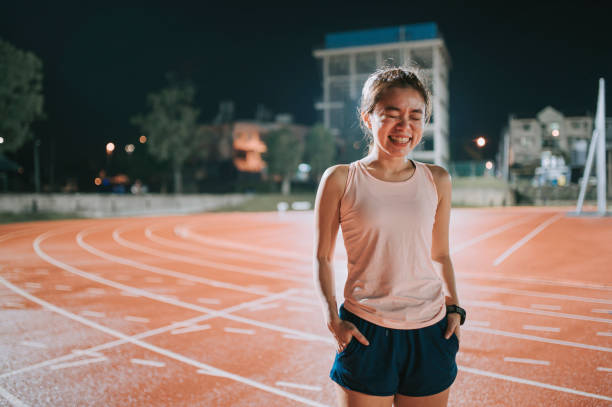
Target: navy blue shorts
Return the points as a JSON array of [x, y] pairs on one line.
[[411, 362]]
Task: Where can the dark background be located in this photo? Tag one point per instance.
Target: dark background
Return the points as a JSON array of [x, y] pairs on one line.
[[101, 60]]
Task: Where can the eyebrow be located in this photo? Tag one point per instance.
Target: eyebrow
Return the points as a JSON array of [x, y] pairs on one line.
[[397, 109]]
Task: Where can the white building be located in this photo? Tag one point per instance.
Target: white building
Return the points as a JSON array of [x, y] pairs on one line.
[[350, 57]]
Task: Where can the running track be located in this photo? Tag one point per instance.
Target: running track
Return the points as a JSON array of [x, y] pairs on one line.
[[219, 310]]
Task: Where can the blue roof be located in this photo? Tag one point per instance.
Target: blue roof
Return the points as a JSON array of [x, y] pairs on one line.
[[400, 33]]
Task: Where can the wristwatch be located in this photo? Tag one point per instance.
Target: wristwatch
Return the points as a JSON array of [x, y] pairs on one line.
[[458, 310]]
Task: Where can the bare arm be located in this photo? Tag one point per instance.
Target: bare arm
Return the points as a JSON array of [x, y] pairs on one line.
[[327, 221]]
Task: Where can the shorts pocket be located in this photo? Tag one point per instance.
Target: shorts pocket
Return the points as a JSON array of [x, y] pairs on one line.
[[350, 348]]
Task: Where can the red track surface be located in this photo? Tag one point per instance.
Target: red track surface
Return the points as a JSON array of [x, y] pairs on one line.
[[219, 310]]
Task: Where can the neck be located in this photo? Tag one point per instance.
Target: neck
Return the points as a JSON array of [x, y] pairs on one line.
[[385, 162]]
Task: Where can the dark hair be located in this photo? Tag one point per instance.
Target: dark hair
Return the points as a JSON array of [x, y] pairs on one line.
[[391, 77]]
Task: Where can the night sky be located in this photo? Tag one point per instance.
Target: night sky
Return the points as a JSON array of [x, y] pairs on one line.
[[101, 61]]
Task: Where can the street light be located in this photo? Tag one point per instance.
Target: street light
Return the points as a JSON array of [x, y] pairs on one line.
[[129, 148], [481, 141], [142, 139], [110, 147], [1, 140]]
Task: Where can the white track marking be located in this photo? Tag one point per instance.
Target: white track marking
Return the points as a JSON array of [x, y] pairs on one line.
[[199, 249], [192, 328], [154, 280], [13, 304], [297, 337], [528, 361], [525, 239], [604, 369], [535, 338], [145, 362], [541, 328], [532, 280], [78, 363], [532, 383], [13, 401], [156, 349], [539, 294], [136, 319], [129, 294], [63, 287], [497, 306], [239, 331], [299, 386], [205, 263], [33, 344], [601, 311], [299, 309], [96, 291], [491, 233], [262, 307], [32, 285], [477, 323], [546, 307], [212, 301], [604, 333], [188, 322], [94, 314]]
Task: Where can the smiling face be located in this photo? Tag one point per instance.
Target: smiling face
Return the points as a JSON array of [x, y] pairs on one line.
[[397, 121]]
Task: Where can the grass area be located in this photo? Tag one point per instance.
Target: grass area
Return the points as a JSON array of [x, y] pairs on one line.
[[267, 202], [6, 217]]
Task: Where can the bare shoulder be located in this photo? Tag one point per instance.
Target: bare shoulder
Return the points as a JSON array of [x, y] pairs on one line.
[[335, 177], [442, 179]]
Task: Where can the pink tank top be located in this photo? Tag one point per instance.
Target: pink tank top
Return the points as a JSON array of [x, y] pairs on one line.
[[387, 231]]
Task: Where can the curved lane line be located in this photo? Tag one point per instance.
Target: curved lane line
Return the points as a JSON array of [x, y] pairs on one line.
[[13, 401], [157, 349]]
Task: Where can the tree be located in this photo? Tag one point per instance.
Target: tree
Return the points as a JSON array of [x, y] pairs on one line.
[[21, 99], [171, 126], [320, 149], [284, 152]]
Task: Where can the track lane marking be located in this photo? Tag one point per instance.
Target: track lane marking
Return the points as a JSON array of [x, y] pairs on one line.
[[604, 369], [33, 344], [539, 294], [78, 363], [13, 401], [546, 307], [188, 329], [94, 314], [145, 362], [527, 238], [527, 361], [239, 331], [156, 349], [541, 328], [132, 318], [299, 386]]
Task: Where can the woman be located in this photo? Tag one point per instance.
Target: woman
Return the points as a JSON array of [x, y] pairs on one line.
[[397, 333]]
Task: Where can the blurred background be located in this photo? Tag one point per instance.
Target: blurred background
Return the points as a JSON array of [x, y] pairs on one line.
[[250, 102]]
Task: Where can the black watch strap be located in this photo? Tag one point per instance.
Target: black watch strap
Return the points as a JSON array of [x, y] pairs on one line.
[[458, 310]]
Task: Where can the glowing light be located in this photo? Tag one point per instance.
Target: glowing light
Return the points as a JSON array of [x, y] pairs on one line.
[[142, 139], [129, 148], [481, 141], [303, 167], [489, 165], [1, 140], [98, 181], [110, 147], [555, 133]]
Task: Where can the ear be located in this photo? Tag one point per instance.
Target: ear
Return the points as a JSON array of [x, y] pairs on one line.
[[366, 119]]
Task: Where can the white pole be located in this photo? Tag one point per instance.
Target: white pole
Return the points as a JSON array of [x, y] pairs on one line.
[[587, 171], [601, 150]]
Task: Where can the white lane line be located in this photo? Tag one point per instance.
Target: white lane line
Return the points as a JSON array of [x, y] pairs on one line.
[[604, 333], [532, 383], [156, 349], [239, 331], [32, 285], [491, 233], [136, 319], [546, 307], [299, 386], [154, 279], [212, 301], [297, 337], [263, 306], [604, 369], [13, 401], [129, 294], [193, 328], [94, 314], [601, 311], [63, 287], [532, 280], [145, 362], [299, 309], [96, 291], [202, 262], [498, 306], [13, 304], [527, 361], [535, 338], [541, 328], [108, 345], [78, 363], [33, 344], [477, 323], [525, 239]]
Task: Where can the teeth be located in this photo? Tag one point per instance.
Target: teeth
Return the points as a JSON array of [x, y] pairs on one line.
[[400, 139]]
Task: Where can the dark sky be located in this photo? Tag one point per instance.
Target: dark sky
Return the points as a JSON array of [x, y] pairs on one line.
[[100, 61]]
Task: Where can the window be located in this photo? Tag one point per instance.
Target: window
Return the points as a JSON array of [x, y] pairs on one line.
[[339, 90], [339, 65], [336, 118], [423, 57], [526, 127], [366, 62], [391, 57], [576, 124]]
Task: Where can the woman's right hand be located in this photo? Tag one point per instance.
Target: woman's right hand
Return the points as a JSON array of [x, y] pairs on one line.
[[343, 332]]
